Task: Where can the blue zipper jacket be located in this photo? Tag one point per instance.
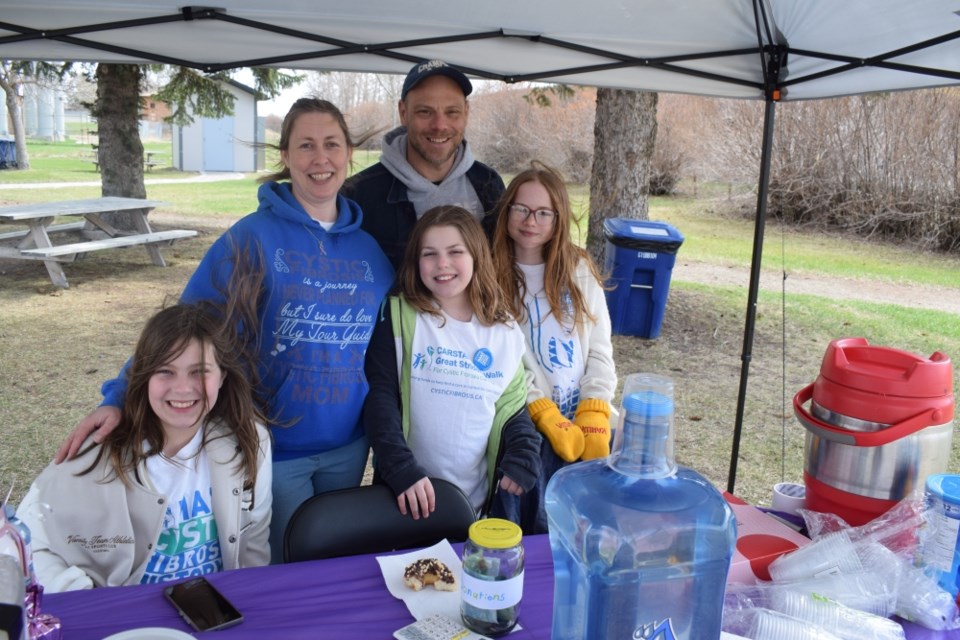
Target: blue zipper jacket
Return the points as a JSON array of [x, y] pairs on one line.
[[322, 294]]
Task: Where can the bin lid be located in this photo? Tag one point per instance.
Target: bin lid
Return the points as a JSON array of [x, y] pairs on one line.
[[643, 235]]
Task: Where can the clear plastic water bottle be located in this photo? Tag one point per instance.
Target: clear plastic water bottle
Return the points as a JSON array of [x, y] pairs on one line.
[[641, 546]]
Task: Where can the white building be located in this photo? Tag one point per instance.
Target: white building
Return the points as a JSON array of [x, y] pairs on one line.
[[222, 144]]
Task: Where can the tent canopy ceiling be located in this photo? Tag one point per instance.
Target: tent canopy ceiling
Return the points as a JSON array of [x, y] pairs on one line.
[[752, 49], [706, 47]]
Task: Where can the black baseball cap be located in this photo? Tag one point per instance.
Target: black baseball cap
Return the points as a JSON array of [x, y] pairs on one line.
[[434, 68]]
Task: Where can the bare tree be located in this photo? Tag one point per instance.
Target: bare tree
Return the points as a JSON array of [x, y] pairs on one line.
[[625, 131], [10, 79], [119, 151]]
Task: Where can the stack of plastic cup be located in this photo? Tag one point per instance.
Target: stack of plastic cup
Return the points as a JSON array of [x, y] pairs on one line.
[[829, 554], [863, 591], [840, 620], [770, 625]]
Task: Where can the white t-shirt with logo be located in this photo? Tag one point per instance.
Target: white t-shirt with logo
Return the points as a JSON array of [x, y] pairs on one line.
[[188, 543], [555, 344], [458, 372]]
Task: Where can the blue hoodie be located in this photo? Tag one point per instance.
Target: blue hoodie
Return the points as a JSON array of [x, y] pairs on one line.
[[322, 293]]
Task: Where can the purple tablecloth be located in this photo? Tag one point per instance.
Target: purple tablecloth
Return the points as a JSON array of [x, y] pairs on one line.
[[341, 598]]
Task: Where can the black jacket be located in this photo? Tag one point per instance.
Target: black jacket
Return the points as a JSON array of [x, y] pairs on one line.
[[518, 454], [389, 216]]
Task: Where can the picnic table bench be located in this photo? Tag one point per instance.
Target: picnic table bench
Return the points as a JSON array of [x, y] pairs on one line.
[[151, 160], [34, 243]]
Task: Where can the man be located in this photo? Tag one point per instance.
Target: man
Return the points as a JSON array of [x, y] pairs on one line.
[[425, 162]]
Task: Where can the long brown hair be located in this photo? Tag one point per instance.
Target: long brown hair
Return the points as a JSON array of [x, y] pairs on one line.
[[164, 337], [560, 254], [299, 108], [485, 295]]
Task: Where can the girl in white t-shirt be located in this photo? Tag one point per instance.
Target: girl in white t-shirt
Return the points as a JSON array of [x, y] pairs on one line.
[[447, 391], [557, 295], [181, 489]]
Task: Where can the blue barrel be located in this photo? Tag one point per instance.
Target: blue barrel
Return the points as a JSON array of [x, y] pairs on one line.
[[639, 260]]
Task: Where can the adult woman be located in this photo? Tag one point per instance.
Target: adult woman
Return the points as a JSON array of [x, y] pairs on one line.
[[321, 279]]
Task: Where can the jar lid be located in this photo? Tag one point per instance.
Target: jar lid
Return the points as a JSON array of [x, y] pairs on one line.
[[495, 533]]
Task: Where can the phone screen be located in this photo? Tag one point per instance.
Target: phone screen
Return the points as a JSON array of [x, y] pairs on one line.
[[201, 605]]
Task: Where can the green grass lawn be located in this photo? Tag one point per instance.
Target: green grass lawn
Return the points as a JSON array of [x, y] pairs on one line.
[[699, 343]]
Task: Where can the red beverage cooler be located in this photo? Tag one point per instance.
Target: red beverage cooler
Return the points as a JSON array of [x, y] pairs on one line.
[[879, 422]]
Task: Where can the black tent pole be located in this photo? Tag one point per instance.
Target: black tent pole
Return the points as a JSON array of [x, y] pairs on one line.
[[759, 222]]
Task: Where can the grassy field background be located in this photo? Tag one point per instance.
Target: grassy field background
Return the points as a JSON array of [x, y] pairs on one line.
[[58, 346]]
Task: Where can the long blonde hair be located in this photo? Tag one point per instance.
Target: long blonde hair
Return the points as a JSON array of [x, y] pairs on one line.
[[561, 255], [485, 295]]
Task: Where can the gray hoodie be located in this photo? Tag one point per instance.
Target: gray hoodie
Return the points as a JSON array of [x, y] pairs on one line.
[[454, 189]]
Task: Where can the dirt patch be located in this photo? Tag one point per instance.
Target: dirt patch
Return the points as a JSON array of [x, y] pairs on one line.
[[793, 282]]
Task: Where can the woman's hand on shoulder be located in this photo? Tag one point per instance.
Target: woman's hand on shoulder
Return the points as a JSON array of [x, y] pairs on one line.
[[420, 497], [100, 422]]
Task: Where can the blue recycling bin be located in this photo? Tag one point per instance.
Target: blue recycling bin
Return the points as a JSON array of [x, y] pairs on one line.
[[639, 260], [8, 153]]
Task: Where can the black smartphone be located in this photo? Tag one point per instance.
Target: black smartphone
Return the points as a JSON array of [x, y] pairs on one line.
[[201, 605]]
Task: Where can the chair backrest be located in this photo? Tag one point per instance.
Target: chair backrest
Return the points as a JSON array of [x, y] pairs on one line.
[[367, 520]]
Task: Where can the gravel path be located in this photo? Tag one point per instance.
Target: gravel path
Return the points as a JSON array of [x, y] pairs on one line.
[[919, 296]]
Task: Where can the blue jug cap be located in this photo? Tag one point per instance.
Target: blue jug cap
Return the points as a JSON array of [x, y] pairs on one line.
[[648, 403], [945, 486]]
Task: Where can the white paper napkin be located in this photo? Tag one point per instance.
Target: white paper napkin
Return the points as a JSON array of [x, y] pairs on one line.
[[428, 601]]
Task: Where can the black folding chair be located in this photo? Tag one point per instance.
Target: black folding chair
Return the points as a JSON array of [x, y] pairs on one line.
[[366, 520]]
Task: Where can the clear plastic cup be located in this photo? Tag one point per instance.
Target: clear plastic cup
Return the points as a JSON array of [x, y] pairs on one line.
[[840, 620], [831, 554], [865, 591], [770, 625]]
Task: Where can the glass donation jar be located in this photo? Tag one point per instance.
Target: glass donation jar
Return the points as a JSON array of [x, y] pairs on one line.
[[492, 583], [641, 546]]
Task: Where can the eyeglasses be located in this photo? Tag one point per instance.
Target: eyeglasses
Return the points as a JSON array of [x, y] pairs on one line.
[[522, 213]]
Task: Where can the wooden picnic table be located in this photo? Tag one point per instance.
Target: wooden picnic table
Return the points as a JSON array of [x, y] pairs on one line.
[[35, 243], [153, 159]]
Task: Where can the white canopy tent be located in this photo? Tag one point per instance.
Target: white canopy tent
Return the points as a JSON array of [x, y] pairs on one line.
[[770, 50]]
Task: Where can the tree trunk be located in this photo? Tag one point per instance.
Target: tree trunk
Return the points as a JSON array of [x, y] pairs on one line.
[[16, 118], [623, 139], [119, 151]]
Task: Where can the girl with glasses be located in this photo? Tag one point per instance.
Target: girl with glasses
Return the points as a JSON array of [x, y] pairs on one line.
[[556, 293]]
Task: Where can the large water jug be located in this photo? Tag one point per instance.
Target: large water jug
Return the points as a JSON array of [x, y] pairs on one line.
[[641, 546]]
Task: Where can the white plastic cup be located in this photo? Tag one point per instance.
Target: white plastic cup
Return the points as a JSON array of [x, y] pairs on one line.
[[789, 497], [864, 591], [837, 619], [770, 625], [830, 554]]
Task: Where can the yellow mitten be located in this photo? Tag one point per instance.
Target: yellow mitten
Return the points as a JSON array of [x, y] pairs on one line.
[[564, 436], [593, 418]]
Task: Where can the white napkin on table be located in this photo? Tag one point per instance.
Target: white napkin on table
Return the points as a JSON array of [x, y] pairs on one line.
[[428, 601]]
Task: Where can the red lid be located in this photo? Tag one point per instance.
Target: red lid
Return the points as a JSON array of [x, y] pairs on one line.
[[852, 362], [883, 385]]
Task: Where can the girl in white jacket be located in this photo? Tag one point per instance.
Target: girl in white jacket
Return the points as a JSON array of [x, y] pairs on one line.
[[557, 295], [181, 489]]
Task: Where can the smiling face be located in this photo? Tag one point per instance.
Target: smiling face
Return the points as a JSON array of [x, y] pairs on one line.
[[318, 157], [528, 235], [435, 115], [182, 391], [446, 268]]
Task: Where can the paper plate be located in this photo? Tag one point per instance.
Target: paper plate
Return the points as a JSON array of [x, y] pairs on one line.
[[150, 633]]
